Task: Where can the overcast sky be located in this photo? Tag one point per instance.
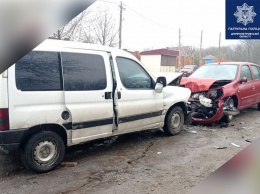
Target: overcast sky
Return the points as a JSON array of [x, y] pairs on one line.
[[155, 23]]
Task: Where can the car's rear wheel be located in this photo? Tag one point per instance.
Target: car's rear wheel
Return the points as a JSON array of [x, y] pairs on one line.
[[174, 121], [43, 152], [258, 106]]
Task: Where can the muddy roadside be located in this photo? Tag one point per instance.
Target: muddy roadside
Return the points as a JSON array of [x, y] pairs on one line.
[[144, 162]]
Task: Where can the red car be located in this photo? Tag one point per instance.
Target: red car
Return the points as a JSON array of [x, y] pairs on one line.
[[187, 70], [220, 90]]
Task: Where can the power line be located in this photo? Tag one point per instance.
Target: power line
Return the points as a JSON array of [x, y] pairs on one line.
[[109, 2], [149, 19]]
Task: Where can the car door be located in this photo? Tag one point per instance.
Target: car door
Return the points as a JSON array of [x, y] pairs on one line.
[[256, 73], [87, 87], [139, 106], [246, 90]]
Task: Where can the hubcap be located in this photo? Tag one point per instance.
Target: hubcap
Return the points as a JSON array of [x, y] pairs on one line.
[[176, 120], [231, 105], [45, 152]]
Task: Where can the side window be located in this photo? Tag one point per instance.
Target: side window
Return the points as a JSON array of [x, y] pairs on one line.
[[38, 71], [256, 71], [132, 75], [245, 72], [83, 71]]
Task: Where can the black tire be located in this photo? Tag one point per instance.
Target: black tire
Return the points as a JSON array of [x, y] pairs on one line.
[[174, 121], [228, 118], [43, 152], [258, 106]]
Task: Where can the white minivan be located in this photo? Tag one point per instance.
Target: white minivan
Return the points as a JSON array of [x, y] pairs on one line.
[[64, 93]]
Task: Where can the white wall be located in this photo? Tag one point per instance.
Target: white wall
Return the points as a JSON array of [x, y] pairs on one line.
[[167, 69], [151, 62]]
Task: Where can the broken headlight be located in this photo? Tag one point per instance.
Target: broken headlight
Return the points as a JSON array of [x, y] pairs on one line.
[[214, 94], [197, 95]]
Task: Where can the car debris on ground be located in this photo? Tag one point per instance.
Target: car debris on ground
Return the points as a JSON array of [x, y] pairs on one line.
[[69, 164], [238, 146], [220, 147]]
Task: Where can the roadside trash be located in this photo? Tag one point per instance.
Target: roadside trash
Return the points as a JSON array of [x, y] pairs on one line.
[[195, 132], [248, 140], [213, 130], [220, 147], [241, 123], [238, 146], [69, 164], [159, 153]]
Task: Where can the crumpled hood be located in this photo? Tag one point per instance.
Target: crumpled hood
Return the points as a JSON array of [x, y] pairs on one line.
[[197, 84], [170, 76]]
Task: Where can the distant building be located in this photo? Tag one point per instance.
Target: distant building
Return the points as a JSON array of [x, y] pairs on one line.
[[186, 51], [135, 53], [160, 60], [209, 59]]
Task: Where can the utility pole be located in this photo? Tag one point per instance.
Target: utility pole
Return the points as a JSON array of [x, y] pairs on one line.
[[219, 45], [179, 65], [201, 43], [120, 24]]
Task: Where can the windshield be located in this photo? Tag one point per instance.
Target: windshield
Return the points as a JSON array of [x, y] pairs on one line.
[[227, 72]]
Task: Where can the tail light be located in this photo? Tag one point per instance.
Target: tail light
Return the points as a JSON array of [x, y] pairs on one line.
[[4, 119]]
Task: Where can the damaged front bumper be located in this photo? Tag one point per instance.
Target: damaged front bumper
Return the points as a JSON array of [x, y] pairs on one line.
[[206, 111]]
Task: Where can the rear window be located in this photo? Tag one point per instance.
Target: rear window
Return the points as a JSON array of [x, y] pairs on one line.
[[38, 71], [83, 72]]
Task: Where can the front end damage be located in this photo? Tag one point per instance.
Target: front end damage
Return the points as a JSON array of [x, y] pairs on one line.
[[211, 105]]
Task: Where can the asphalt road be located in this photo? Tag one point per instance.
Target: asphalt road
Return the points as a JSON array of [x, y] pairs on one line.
[[144, 162]]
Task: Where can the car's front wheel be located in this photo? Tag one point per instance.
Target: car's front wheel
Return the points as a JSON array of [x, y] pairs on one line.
[[174, 121], [229, 118], [258, 106], [43, 152]]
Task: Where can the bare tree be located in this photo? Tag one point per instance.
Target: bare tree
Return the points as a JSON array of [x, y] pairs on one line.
[[102, 28], [95, 26], [71, 30]]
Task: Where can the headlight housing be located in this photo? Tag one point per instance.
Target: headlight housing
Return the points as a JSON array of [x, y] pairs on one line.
[[197, 95], [214, 94]]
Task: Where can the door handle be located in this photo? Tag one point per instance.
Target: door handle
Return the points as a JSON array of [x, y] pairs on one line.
[[108, 95], [119, 95]]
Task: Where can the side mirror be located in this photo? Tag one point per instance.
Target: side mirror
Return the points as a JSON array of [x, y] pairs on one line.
[[243, 80], [161, 80], [158, 88]]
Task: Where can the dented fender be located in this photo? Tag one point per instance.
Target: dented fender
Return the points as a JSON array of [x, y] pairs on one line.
[[173, 95], [218, 115]]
